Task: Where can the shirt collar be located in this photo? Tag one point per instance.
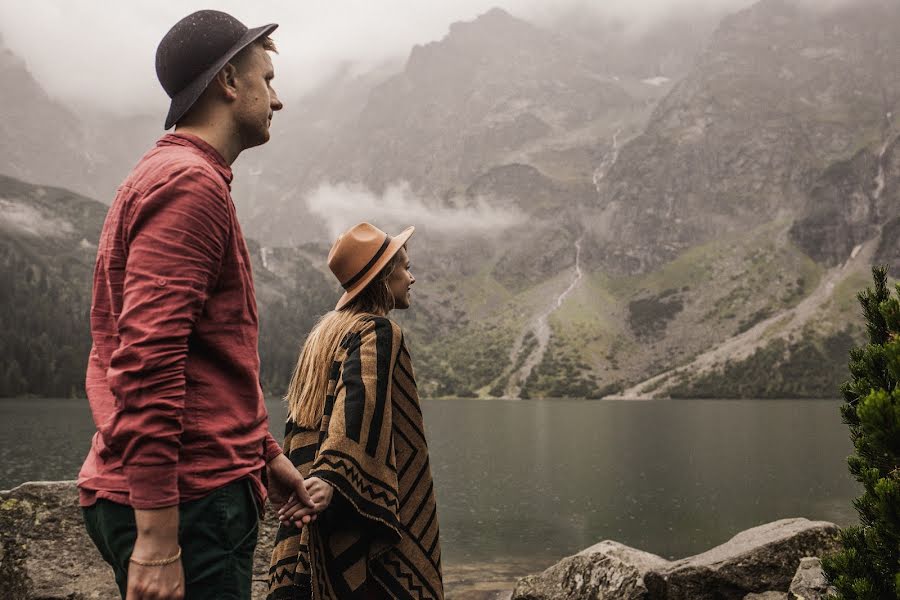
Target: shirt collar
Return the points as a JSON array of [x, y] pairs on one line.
[[211, 154]]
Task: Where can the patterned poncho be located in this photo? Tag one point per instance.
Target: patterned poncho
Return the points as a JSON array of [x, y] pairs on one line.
[[382, 522]]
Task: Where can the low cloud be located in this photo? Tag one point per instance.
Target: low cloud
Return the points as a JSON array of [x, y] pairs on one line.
[[343, 205]]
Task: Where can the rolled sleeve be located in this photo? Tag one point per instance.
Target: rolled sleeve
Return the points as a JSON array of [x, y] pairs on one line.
[[271, 448], [176, 240]]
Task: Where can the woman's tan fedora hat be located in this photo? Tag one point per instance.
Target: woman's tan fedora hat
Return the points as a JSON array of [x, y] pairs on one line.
[[359, 254]]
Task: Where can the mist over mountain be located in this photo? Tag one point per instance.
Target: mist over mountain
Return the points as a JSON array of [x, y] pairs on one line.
[[684, 210], [43, 141], [49, 143], [782, 92]]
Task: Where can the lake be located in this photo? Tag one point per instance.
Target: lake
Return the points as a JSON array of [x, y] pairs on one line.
[[521, 484]]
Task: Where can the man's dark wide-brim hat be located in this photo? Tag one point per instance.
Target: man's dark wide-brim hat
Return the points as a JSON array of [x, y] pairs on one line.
[[194, 50]]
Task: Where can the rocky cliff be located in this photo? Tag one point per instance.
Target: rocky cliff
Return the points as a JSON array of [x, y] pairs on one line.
[[784, 90]]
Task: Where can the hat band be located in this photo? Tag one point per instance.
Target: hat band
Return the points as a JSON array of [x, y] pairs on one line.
[[349, 283]]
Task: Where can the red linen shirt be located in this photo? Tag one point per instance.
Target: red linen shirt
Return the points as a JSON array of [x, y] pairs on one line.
[[173, 374]]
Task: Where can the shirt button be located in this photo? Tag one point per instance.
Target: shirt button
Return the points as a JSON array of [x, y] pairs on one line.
[[162, 282]]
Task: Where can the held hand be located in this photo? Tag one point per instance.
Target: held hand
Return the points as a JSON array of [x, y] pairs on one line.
[[157, 542], [320, 492], [286, 486]]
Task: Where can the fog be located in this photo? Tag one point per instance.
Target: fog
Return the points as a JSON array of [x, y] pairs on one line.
[[101, 54], [343, 205]]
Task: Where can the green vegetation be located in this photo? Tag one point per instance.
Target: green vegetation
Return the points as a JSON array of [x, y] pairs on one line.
[[648, 317], [563, 373], [810, 368], [283, 326], [868, 565], [529, 344], [45, 294], [44, 315], [463, 362], [752, 320]]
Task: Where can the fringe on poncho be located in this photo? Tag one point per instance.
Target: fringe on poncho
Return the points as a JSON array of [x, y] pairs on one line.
[[382, 523]]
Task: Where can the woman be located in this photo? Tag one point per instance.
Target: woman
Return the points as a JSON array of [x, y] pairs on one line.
[[355, 432]]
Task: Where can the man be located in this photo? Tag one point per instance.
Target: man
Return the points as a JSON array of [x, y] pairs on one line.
[[173, 483]]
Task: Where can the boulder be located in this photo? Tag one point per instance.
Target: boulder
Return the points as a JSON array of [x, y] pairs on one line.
[[46, 551], [46, 554], [758, 563], [760, 559], [605, 570], [809, 582]]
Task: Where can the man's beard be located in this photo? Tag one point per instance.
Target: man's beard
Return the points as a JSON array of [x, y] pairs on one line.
[[254, 134]]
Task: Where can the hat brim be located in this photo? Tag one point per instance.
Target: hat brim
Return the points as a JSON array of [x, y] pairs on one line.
[[393, 248], [185, 99]]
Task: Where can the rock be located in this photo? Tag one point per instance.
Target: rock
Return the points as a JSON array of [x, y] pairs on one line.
[[605, 570], [760, 559], [809, 582], [46, 554], [757, 563]]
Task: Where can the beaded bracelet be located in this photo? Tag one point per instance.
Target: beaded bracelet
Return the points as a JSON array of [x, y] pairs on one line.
[[157, 563]]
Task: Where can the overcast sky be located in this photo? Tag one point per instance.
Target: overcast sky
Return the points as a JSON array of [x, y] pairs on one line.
[[102, 53]]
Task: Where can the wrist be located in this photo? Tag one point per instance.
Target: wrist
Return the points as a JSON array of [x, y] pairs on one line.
[[156, 562], [283, 471], [149, 550], [157, 530]]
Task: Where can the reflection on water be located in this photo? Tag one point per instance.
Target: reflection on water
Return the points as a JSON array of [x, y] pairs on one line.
[[670, 477], [527, 482]]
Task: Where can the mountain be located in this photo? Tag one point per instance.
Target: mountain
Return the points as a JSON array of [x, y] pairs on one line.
[[781, 140], [49, 143], [43, 141], [585, 228], [666, 47], [782, 92], [495, 91], [48, 246], [722, 248], [47, 250], [271, 181]]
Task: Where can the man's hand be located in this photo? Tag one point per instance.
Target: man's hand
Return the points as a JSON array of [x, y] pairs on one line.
[[286, 487], [157, 539], [321, 492]]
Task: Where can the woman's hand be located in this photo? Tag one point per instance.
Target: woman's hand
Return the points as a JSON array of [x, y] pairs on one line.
[[319, 491]]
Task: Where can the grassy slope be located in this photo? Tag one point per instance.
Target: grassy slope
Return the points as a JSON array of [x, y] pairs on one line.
[[629, 328], [811, 364], [617, 330]]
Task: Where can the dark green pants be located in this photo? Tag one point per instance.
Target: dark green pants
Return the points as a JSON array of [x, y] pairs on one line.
[[217, 534]]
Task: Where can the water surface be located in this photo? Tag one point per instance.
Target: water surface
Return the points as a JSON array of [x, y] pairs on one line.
[[527, 482]]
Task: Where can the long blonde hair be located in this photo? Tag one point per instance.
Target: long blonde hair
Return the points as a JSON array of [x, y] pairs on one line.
[[309, 384]]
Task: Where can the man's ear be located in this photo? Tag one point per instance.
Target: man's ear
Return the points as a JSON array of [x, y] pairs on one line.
[[226, 79]]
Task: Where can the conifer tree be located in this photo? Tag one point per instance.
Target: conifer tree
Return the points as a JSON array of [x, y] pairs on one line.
[[868, 565]]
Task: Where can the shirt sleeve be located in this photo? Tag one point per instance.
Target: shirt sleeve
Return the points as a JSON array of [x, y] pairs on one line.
[[271, 448], [176, 239]]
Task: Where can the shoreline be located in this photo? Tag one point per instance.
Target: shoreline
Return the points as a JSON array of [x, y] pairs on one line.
[[36, 516], [610, 398]]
